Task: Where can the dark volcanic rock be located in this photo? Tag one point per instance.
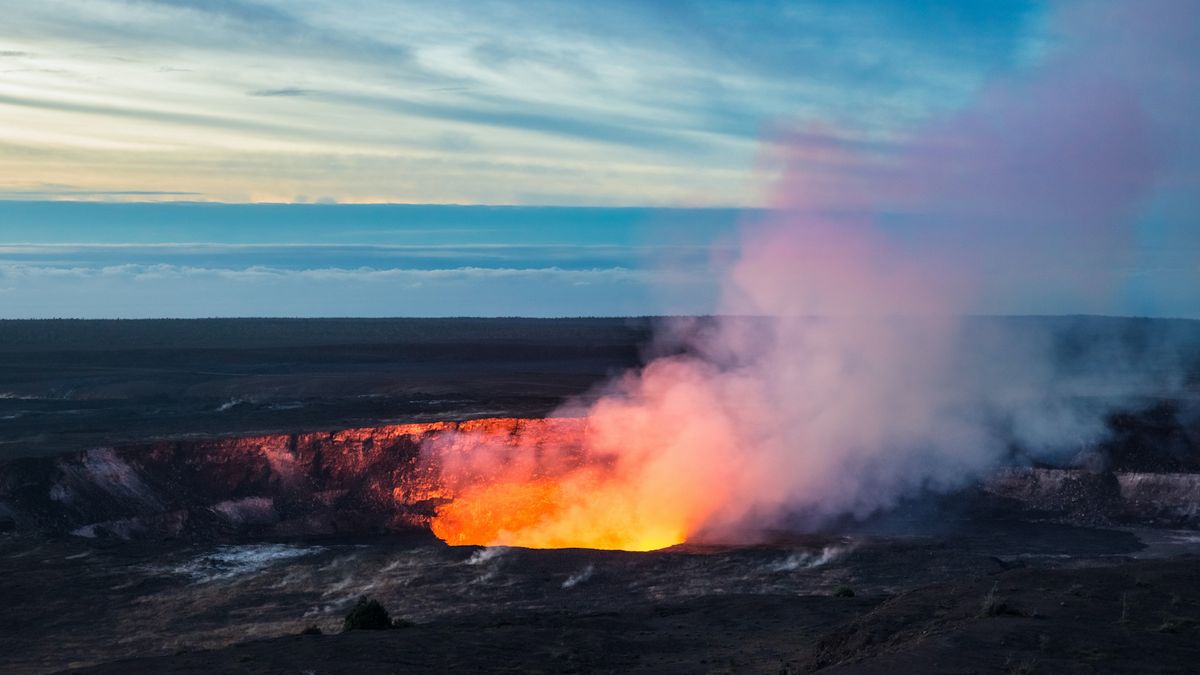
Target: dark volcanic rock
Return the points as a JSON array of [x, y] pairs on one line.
[[1092, 620], [367, 614], [1099, 498], [1131, 617], [1163, 437], [1078, 496]]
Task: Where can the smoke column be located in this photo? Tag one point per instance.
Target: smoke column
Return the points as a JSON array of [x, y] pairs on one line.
[[842, 377]]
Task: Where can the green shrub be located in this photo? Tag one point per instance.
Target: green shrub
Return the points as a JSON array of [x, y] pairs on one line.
[[843, 592]]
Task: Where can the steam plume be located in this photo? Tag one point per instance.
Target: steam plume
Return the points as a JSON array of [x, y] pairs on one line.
[[842, 377]]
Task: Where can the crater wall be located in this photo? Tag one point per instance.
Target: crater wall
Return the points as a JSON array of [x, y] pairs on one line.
[[354, 481]]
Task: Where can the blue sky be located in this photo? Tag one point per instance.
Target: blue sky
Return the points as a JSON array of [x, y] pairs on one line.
[[259, 157]]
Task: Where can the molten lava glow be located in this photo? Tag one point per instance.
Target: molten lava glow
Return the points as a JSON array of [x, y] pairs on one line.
[[545, 513], [552, 484]]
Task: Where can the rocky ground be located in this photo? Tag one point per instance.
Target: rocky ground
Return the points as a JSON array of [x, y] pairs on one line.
[[1019, 597], [1129, 618]]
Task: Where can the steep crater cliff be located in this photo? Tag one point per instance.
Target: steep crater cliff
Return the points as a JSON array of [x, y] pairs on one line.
[[375, 480], [349, 482]]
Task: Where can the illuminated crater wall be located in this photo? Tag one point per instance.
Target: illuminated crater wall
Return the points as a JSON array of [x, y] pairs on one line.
[[355, 481], [498, 481]]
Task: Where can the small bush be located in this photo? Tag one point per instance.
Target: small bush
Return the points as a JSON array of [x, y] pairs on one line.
[[312, 630], [844, 592], [367, 614], [993, 606]]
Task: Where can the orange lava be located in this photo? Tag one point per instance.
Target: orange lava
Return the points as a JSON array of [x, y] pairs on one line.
[[485, 513], [535, 484], [543, 513]]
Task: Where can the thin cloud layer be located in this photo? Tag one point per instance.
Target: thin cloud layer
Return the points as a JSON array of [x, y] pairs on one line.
[[609, 103], [152, 291]]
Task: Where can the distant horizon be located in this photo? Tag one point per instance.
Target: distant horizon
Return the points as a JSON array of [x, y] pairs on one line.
[[84, 259], [335, 203], [613, 317]]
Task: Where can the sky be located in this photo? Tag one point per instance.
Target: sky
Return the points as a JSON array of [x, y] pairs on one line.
[[644, 102], [255, 157]]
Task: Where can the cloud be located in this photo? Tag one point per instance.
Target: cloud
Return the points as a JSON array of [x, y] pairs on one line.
[[547, 119], [621, 102], [53, 191], [299, 257], [250, 21], [162, 290], [255, 13], [144, 114], [286, 91], [365, 274]]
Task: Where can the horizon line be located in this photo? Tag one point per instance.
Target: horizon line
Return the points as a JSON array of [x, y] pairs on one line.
[[499, 317], [488, 205]]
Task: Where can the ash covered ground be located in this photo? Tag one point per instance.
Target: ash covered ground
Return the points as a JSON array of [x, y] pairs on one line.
[[181, 550]]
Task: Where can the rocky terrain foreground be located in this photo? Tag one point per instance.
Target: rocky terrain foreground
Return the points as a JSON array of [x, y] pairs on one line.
[[1127, 618], [1018, 598]]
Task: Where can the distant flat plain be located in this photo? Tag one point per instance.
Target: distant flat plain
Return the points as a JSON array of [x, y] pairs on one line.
[[68, 385]]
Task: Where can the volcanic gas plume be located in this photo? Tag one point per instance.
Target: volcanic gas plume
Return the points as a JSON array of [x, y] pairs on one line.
[[838, 381]]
